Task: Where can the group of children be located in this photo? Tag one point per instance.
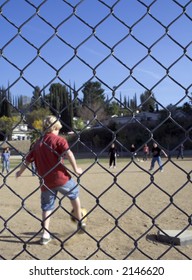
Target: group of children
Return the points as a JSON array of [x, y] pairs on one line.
[[156, 155]]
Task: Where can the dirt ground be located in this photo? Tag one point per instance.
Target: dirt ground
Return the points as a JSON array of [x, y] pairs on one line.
[[126, 208]]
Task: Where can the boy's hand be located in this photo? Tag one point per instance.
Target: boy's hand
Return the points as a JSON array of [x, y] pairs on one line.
[[18, 174], [78, 171]]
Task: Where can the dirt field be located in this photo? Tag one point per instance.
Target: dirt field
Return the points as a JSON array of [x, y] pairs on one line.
[[126, 208]]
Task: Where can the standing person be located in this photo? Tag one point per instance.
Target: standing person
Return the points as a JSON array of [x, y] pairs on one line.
[[180, 151], [48, 153], [112, 156], [145, 152], [156, 156], [133, 152], [5, 159]]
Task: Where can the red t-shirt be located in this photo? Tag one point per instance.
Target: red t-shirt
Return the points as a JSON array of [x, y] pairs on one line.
[[48, 155]]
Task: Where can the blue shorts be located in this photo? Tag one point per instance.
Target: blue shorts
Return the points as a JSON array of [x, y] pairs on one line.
[[48, 197]]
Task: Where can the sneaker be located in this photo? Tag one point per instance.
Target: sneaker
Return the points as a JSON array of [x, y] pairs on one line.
[[45, 241], [161, 170], [81, 227]]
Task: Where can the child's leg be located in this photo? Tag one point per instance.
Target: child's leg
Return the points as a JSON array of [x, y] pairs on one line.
[[110, 161], [152, 163], [7, 166], [159, 163], [3, 166], [47, 205], [77, 214], [71, 189], [46, 222], [76, 205]]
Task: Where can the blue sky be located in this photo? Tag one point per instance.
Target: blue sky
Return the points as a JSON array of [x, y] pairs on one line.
[[128, 44]]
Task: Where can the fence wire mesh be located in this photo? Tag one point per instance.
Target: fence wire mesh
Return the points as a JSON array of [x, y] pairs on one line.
[[128, 208]]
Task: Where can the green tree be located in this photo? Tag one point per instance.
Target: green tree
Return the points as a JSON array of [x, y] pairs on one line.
[[93, 94], [74, 100], [5, 103], [187, 108], [133, 103], [113, 108], [37, 115], [36, 100], [6, 126], [60, 101], [148, 101], [93, 104]]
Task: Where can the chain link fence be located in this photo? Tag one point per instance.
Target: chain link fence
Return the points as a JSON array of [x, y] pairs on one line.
[[128, 208]]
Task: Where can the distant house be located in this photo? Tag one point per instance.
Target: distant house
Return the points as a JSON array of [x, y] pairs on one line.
[[20, 132]]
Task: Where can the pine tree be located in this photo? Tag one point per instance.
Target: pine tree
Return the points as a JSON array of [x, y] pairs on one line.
[[60, 105], [93, 94], [5, 107], [148, 102]]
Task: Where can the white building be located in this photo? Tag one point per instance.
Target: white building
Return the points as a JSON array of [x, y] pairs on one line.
[[20, 132]]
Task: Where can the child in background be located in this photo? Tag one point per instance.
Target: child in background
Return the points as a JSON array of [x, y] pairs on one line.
[[156, 152], [112, 156], [5, 159]]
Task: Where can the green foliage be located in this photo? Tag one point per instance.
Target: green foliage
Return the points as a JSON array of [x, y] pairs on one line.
[[59, 99], [93, 93], [6, 126], [78, 124], [37, 115], [36, 100], [187, 108], [113, 109], [5, 100], [34, 135], [99, 137], [64, 102], [148, 101]]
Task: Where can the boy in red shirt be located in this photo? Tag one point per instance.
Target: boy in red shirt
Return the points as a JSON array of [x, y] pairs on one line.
[[48, 153]]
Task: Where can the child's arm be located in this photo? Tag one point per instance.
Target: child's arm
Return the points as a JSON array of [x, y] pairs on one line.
[[22, 169], [73, 163], [164, 153]]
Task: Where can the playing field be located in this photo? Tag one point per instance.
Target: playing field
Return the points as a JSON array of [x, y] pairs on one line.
[[126, 207]]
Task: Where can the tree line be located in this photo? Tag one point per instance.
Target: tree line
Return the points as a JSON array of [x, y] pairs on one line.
[[75, 112], [65, 102]]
